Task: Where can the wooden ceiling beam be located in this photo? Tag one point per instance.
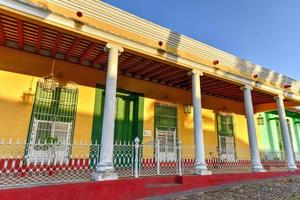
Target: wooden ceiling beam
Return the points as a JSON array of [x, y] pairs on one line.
[[2, 36], [39, 40], [149, 69], [220, 86], [167, 75], [160, 70], [138, 66], [208, 81], [126, 63], [100, 56], [74, 45], [187, 79], [215, 84], [175, 78], [185, 84], [87, 52], [20, 34], [56, 44], [223, 92]]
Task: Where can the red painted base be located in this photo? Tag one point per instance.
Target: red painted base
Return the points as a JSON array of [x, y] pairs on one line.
[[130, 188]]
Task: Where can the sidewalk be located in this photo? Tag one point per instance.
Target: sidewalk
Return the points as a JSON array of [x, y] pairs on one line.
[[273, 189]]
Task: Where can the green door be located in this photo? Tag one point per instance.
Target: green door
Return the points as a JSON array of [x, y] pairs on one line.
[[128, 120], [128, 124]]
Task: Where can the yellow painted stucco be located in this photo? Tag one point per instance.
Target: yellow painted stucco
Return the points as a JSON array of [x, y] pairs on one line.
[[18, 75]]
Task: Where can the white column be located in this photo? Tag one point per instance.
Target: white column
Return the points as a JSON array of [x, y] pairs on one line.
[[105, 168], [285, 133], [201, 168], [256, 163]]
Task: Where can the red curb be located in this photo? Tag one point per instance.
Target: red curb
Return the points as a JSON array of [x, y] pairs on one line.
[[132, 188]]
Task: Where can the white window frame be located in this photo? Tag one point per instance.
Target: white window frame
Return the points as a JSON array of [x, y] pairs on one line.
[[57, 152]]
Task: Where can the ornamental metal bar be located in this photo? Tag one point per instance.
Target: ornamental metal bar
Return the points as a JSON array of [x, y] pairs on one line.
[[131, 159], [158, 157], [179, 158], [136, 157]]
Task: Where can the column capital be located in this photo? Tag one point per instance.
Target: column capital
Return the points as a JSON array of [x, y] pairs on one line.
[[195, 71], [280, 96], [247, 87], [110, 46]]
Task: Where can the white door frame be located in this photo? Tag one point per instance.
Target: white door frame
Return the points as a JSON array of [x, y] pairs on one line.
[[228, 152], [167, 149]]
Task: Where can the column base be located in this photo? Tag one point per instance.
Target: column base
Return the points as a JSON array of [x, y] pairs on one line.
[[292, 167], [104, 175], [258, 168], [202, 170]]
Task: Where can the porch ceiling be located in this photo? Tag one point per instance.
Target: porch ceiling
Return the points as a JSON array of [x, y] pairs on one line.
[[45, 41]]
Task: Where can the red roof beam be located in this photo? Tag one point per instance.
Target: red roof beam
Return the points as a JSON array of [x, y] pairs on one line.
[[149, 69], [2, 36], [87, 52], [74, 45], [98, 59], [182, 81], [223, 90], [20, 34], [138, 66], [56, 44], [179, 77], [127, 63], [167, 75], [157, 72], [39, 40]]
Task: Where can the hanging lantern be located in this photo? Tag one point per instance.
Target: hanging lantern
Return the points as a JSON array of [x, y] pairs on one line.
[[49, 83], [28, 96], [260, 120], [187, 109]]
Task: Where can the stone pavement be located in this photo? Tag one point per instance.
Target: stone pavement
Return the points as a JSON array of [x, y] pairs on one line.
[[273, 189]]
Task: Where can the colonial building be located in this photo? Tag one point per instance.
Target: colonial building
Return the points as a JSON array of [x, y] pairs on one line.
[[271, 135], [91, 92]]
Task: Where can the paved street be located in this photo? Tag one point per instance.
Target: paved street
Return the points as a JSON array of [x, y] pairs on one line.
[[273, 189]]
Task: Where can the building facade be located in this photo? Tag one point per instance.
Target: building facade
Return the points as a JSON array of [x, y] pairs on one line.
[[89, 86], [271, 136]]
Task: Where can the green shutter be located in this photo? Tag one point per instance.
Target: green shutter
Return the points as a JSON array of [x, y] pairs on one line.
[[225, 125], [98, 115], [165, 117], [129, 116]]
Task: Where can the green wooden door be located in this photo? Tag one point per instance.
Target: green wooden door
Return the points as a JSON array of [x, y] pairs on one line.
[[126, 120], [279, 136], [128, 124], [128, 117]]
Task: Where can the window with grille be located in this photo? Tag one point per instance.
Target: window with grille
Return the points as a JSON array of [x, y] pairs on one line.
[[165, 120], [226, 136], [225, 125], [165, 117], [53, 117]]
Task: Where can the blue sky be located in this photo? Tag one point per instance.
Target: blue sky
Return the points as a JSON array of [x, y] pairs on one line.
[[266, 32]]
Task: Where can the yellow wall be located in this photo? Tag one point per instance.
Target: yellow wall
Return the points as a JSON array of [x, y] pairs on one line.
[[16, 76]]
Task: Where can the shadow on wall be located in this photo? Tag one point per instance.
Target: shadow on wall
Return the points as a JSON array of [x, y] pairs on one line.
[[172, 45]]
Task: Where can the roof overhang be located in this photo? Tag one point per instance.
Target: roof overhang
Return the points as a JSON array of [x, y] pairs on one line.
[[30, 24]]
